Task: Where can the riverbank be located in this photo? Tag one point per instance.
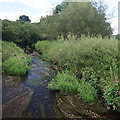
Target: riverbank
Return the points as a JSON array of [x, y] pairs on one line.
[[88, 67], [15, 96], [73, 107]]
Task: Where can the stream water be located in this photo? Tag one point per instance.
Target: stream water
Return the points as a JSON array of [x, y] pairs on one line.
[[42, 104]]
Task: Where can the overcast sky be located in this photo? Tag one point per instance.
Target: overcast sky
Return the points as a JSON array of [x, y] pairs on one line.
[[12, 9]]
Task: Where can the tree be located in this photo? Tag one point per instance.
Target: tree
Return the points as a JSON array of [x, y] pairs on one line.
[[24, 18], [77, 18], [59, 8], [22, 34], [118, 36]]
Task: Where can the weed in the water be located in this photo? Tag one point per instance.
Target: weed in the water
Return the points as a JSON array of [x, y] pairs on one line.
[[57, 112], [42, 110]]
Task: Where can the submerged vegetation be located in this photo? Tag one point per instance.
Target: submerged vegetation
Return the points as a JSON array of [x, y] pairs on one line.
[[95, 59]]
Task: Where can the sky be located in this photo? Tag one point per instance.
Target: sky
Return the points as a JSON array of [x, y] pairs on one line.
[[12, 9]]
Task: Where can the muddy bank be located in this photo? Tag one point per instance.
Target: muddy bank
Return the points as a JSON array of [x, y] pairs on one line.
[[72, 107], [15, 97]]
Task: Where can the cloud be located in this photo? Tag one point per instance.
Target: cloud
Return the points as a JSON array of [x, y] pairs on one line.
[[114, 25], [12, 15], [46, 6], [42, 7], [38, 4]]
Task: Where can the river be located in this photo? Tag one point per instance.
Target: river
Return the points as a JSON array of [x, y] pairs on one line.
[[42, 103], [31, 98]]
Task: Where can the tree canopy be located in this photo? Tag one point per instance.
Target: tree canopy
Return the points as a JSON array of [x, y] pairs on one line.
[[24, 18], [83, 18], [77, 18], [23, 34]]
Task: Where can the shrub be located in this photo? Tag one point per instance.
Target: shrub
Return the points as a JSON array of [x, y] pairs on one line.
[[16, 65], [65, 81], [112, 95], [10, 49], [89, 75], [15, 61], [87, 92], [94, 52], [112, 88], [118, 36]]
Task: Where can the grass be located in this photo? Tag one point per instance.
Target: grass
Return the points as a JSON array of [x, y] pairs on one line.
[[10, 49], [87, 92], [97, 58], [65, 81], [15, 61], [16, 65], [75, 53]]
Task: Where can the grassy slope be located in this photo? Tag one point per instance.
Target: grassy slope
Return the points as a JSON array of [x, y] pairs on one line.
[[97, 58], [15, 61]]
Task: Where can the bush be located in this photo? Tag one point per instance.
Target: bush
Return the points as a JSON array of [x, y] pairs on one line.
[[87, 92], [65, 81], [118, 36], [77, 54], [112, 88], [16, 65], [15, 61], [112, 95], [24, 34], [89, 75], [10, 49]]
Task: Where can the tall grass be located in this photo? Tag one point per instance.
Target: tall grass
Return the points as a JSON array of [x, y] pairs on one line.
[[97, 58], [80, 53], [15, 61]]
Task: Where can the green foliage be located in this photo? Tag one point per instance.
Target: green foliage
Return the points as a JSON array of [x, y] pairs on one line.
[[59, 8], [89, 75], [118, 36], [23, 34], [15, 61], [86, 52], [16, 65], [112, 95], [87, 92], [96, 57], [65, 81], [112, 88], [67, 18], [24, 18], [10, 49], [77, 18]]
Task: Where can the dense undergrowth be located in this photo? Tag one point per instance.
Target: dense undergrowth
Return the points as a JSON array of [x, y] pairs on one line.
[[95, 59], [14, 60]]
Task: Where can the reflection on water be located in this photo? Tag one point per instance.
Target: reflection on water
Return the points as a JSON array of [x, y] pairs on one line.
[[43, 104]]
